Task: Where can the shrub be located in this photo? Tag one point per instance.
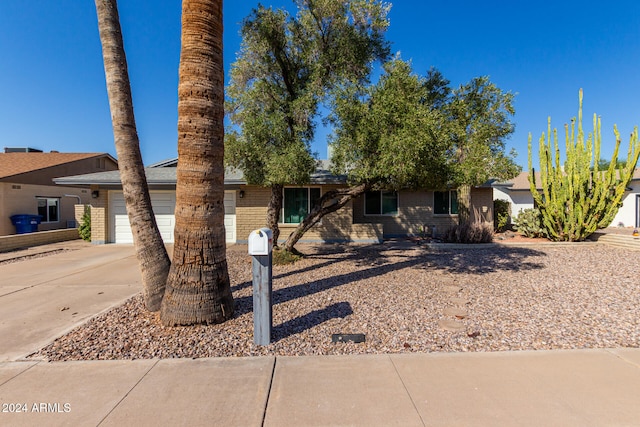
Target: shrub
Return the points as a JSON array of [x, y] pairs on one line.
[[529, 223], [501, 215], [476, 232], [85, 228], [284, 257]]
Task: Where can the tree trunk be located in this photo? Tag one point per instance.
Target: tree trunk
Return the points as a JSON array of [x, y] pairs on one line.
[[464, 204], [152, 255], [330, 202], [273, 211], [198, 289]]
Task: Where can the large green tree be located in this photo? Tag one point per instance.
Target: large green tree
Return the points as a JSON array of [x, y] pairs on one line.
[[152, 255], [388, 136], [286, 67], [479, 119], [578, 197], [408, 131], [198, 288]]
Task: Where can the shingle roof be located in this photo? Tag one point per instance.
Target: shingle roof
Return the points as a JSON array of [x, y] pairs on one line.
[[160, 174], [521, 182], [12, 164]]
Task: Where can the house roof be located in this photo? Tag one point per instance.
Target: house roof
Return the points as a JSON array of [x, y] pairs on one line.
[[521, 182], [163, 173], [12, 164]]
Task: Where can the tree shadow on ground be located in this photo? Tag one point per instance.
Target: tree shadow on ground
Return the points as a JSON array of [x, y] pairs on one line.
[[452, 260], [333, 253], [308, 321], [482, 260]]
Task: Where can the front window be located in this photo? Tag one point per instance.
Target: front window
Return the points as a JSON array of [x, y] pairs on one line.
[[297, 203], [445, 202], [381, 203], [49, 209]]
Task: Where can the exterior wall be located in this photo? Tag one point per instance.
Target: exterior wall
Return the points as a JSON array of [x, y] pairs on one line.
[[628, 215], [21, 199], [251, 213], [482, 204], [9, 243], [251, 210], [520, 200], [415, 213], [79, 167], [79, 213], [99, 217]]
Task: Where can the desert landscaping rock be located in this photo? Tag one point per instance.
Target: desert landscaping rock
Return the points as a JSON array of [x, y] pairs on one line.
[[459, 302], [451, 289], [451, 325], [455, 312], [523, 298]]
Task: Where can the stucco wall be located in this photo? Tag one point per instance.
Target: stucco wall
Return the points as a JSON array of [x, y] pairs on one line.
[[628, 215], [21, 199]]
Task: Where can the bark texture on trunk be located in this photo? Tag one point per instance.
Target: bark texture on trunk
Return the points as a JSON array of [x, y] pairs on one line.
[[464, 204], [330, 202], [273, 211], [198, 288], [152, 255]]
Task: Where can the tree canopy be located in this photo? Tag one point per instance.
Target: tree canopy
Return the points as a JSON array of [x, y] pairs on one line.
[[286, 67]]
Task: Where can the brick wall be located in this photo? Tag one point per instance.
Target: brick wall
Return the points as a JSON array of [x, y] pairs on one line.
[[16, 241], [415, 211], [482, 203], [99, 228], [251, 213]]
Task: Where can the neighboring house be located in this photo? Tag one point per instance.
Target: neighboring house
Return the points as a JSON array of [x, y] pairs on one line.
[[27, 187], [369, 218], [517, 191]]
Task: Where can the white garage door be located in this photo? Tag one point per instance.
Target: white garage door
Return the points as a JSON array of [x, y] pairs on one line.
[[164, 204]]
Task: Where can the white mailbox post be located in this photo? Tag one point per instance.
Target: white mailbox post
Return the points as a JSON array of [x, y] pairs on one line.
[[261, 248]]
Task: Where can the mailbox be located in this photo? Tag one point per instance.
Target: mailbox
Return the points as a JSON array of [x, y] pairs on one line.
[[261, 242]]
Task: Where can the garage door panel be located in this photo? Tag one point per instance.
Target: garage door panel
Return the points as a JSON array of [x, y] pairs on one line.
[[164, 207]]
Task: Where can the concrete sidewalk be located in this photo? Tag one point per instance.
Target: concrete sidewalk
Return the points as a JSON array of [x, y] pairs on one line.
[[42, 298], [544, 388]]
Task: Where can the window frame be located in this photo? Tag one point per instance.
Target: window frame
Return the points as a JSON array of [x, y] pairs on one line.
[[381, 192], [449, 199], [48, 206], [281, 219]]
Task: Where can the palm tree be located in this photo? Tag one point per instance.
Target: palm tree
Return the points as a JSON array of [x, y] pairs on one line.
[[198, 289], [152, 255]]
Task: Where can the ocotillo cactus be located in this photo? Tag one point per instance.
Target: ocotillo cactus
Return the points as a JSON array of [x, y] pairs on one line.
[[577, 198]]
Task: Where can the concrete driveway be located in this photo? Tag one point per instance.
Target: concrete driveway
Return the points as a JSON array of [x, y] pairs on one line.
[[43, 298]]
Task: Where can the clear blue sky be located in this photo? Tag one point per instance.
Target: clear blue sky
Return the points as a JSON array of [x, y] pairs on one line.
[[53, 95]]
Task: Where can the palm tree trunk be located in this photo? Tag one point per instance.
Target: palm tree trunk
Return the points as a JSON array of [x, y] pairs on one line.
[[198, 288], [152, 255], [273, 211]]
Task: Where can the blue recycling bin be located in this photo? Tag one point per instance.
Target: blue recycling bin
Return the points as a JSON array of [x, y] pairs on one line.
[[25, 223]]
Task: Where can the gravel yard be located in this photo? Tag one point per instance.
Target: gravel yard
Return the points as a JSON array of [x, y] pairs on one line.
[[405, 298]]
